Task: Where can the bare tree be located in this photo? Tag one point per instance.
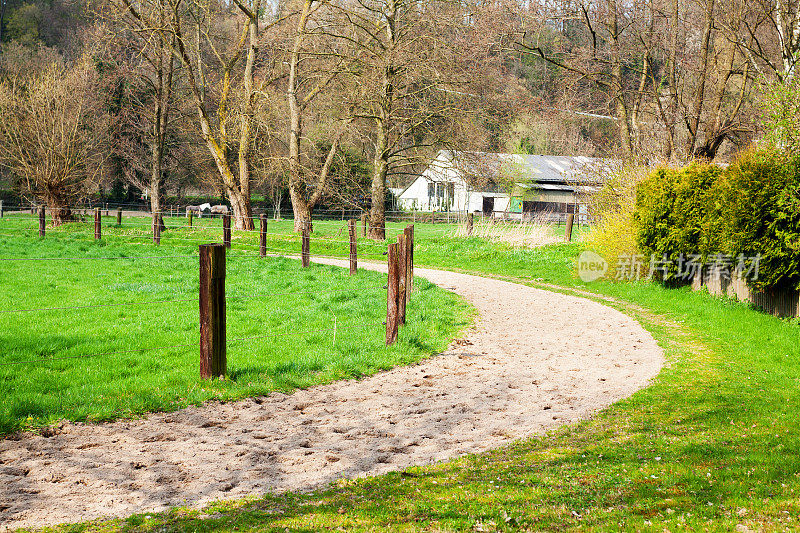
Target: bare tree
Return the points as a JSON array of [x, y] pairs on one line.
[[416, 84], [53, 132], [217, 45], [151, 72]]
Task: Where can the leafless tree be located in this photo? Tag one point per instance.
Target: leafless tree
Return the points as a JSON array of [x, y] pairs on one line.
[[53, 132]]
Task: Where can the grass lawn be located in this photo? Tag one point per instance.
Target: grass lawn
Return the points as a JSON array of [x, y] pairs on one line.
[[49, 370], [712, 444]]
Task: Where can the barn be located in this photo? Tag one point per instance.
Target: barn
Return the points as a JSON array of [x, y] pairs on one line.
[[493, 184]]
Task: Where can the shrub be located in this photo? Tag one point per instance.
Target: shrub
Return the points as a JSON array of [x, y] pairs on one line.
[[758, 202], [671, 213], [613, 232]]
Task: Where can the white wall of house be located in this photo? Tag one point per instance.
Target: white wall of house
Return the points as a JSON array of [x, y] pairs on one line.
[[440, 188], [425, 194]]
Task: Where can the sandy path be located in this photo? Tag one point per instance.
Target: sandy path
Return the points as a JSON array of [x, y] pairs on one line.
[[534, 360]]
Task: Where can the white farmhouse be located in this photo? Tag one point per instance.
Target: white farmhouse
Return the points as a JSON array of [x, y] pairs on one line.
[[511, 184]]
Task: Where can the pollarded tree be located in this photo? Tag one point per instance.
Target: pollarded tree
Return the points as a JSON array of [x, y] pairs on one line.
[[53, 133]]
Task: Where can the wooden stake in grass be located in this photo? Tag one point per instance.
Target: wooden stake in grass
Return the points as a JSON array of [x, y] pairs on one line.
[[262, 236], [351, 226], [213, 356], [119, 217], [402, 269], [470, 221], [190, 216], [226, 230], [156, 228], [392, 292], [409, 233], [568, 230], [364, 225], [41, 221], [305, 250], [97, 223]]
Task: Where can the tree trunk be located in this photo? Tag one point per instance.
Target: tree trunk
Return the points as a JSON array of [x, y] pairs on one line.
[[59, 212], [380, 168]]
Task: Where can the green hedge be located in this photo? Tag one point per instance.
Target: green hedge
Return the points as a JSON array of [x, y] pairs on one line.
[[759, 211], [750, 208], [671, 212]]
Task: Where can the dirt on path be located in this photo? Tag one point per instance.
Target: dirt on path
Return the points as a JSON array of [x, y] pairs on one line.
[[533, 360]]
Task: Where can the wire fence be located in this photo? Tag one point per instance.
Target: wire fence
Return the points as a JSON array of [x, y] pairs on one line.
[[202, 232]]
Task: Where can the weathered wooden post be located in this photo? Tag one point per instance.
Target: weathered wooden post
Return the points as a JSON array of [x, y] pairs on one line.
[[402, 269], [470, 220], [157, 227], [351, 226], [226, 229], [97, 224], [305, 250], [568, 230], [190, 216], [119, 217], [364, 225], [41, 221], [213, 357], [409, 233], [1, 208], [262, 236], [392, 292]]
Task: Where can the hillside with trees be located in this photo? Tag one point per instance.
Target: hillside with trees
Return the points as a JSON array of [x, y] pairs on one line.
[[329, 103]]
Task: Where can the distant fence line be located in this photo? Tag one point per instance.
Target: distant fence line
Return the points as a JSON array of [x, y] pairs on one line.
[[433, 217]]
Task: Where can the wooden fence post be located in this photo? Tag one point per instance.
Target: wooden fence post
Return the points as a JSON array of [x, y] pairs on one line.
[[306, 245], [568, 230], [226, 230], [41, 221], [119, 217], [157, 227], [1, 208], [409, 233], [364, 225], [213, 357], [190, 216], [351, 226], [402, 275], [470, 221], [392, 292], [97, 223], [262, 236]]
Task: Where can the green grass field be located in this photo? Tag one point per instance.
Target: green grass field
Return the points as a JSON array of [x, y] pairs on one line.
[[711, 444], [49, 369]]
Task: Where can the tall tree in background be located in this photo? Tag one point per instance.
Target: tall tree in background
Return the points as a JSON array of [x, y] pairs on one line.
[[149, 98], [315, 62], [418, 72], [217, 46]]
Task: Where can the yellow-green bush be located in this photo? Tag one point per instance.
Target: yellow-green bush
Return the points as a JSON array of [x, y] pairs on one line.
[[613, 232]]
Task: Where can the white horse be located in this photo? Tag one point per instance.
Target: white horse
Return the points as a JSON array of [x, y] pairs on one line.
[[198, 209]]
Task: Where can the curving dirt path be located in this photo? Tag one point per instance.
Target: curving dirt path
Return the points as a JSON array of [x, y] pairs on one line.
[[534, 360]]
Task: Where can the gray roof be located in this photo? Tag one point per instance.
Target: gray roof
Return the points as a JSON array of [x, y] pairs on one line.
[[527, 168]]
